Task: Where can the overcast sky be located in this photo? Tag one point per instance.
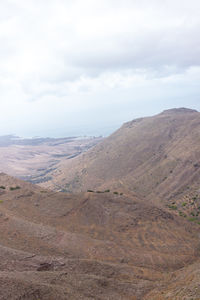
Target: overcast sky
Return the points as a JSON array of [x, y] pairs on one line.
[[83, 67]]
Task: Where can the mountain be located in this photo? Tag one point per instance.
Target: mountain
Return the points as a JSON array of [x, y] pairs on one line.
[[92, 246], [156, 158], [129, 230]]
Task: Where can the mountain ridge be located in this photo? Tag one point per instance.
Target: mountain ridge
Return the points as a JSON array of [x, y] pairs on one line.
[[129, 230]]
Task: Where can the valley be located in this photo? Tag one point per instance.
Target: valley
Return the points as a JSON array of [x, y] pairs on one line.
[[33, 159], [112, 218]]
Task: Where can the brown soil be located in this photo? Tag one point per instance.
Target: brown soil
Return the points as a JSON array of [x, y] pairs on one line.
[[134, 235], [91, 246]]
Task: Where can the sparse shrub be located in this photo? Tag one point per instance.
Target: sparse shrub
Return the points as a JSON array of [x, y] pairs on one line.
[[13, 188], [1, 201], [2, 187], [116, 193], [107, 191], [196, 165], [184, 204], [192, 219], [182, 214], [90, 191], [174, 207], [64, 191], [99, 192], [121, 194]]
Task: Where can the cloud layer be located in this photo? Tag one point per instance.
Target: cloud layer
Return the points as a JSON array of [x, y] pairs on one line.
[[67, 66]]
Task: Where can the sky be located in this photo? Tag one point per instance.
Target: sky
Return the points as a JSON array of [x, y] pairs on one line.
[[84, 67]]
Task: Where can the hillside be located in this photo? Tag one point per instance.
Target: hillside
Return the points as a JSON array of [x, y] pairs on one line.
[[156, 158], [91, 245], [129, 230]]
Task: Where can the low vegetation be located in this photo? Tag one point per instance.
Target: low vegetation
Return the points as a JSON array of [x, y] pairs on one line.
[[174, 207], [106, 191], [13, 188]]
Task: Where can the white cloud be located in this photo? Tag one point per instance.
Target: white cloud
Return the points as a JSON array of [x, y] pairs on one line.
[[64, 57]]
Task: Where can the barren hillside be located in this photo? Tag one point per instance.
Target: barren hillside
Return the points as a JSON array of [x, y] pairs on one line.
[[156, 158], [130, 230], [91, 245]]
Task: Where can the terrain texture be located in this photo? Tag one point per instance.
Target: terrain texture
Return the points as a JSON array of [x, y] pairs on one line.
[[129, 230], [93, 245], [156, 158], [34, 159]]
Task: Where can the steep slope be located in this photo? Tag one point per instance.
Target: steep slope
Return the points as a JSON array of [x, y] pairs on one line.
[[156, 157], [89, 245]]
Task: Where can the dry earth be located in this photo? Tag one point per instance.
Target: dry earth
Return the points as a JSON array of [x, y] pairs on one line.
[[92, 246], [34, 159], [131, 229], [156, 158]]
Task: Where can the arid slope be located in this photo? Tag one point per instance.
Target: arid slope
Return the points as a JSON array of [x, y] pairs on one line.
[[156, 158], [89, 245]]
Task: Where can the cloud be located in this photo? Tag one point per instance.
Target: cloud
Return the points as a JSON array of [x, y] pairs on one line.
[[73, 56]]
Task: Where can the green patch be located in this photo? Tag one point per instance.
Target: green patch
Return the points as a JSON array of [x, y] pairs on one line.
[[184, 204], [192, 219], [90, 191], [107, 191], [174, 207], [1, 201], [115, 193], [182, 214], [13, 188], [2, 187]]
